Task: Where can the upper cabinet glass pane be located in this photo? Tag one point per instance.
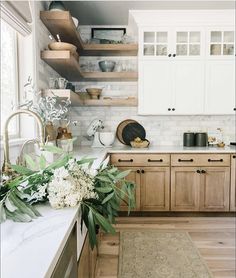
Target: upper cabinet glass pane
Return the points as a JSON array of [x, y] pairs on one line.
[[182, 37], [194, 37], [148, 50], [216, 36], [149, 37], [228, 49], [161, 37], [229, 36]]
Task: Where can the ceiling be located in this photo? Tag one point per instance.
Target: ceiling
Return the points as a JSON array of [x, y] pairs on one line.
[[111, 12]]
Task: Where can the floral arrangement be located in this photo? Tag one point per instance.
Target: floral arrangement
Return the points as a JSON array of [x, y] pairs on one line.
[[67, 182]]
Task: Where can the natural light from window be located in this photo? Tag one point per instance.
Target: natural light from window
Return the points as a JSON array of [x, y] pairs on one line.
[[9, 76]]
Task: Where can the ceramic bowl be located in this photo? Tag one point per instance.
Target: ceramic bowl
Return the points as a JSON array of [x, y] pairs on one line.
[[107, 66], [94, 93], [62, 46], [107, 138]]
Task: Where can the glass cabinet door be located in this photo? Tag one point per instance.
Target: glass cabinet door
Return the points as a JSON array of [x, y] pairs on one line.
[[187, 43], [155, 43], [222, 43]]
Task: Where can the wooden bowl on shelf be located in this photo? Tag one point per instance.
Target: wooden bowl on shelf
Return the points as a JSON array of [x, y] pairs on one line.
[[94, 93], [62, 46]]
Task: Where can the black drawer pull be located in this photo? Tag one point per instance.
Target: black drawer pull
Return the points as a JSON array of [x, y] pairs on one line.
[[125, 160], [185, 160], [155, 160], [215, 160]]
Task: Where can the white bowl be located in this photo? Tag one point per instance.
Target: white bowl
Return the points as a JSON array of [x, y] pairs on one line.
[[107, 138]]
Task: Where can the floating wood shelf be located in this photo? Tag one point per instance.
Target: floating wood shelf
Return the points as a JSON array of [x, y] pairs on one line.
[[61, 22], [67, 65], [76, 100]]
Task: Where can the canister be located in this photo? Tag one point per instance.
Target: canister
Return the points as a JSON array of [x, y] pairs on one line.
[[189, 139], [201, 139]]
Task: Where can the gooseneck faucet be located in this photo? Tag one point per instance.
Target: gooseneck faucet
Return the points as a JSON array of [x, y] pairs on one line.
[[6, 164]]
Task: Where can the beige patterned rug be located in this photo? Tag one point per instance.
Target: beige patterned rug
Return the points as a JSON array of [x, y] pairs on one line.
[[159, 254]]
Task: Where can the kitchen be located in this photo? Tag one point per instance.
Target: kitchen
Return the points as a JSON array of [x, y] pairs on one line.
[[144, 95]]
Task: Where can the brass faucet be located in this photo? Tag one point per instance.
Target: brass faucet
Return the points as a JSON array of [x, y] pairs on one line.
[[6, 163]]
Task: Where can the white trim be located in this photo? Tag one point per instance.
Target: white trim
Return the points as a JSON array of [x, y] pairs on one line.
[[14, 19], [14, 142]]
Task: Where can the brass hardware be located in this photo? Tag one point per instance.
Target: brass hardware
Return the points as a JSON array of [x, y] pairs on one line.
[[6, 164]]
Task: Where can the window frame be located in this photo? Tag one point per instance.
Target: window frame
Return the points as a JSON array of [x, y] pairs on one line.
[[17, 134]]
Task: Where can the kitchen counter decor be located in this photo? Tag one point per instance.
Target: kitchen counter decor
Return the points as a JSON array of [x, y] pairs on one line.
[[67, 182]]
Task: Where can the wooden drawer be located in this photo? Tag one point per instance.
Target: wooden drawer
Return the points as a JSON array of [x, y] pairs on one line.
[[200, 160], [132, 159]]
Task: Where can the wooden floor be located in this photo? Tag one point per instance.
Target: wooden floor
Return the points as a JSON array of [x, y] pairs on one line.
[[213, 236]]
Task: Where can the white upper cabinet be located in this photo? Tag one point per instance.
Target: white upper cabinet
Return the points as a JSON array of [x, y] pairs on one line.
[[188, 66]]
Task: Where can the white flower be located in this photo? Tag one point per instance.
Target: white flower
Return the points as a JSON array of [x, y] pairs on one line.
[[70, 185]]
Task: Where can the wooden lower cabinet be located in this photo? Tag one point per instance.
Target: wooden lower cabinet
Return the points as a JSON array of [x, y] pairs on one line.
[[155, 189], [185, 182], [214, 189], [233, 183], [87, 261], [133, 176]]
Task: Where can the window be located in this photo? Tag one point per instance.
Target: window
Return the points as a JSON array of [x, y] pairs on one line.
[[9, 76]]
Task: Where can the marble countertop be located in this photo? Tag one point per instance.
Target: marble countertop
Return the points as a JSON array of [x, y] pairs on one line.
[[33, 249]]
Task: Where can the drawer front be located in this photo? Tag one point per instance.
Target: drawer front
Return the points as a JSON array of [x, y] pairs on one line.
[[143, 160], [200, 160]]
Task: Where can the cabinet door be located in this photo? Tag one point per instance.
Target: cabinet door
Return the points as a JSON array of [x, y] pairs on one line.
[[67, 263], [155, 188], [84, 261], [189, 88], [155, 43], [220, 87], [185, 183], [133, 176], [221, 43], [233, 184], [188, 43], [214, 189], [155, 87]]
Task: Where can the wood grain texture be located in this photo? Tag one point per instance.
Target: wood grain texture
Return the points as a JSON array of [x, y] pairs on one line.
[[213, 236], [67, 65], [185, 183], [233, 183], [155, 189], [200, 159], [142, 160], [214, 189], [60, 22]]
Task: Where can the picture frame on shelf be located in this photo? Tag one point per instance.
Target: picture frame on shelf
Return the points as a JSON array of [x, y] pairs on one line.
[[108, 35]]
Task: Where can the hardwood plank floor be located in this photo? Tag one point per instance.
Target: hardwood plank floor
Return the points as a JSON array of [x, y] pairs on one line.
[[213, 236]]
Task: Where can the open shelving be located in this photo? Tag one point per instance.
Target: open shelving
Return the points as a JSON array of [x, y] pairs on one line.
[[61, 22], [76, 100], [67, 65]]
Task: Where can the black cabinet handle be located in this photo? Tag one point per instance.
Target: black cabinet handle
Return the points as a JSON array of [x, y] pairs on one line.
[[169, 55], [142, 171], [234, 156], [203, 171], [155, 160], [173, 109], [124, 160], [138, 171], [215, 160], [185, 160], [198, 171], [234, 109], [174, 55], [169, 109]]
